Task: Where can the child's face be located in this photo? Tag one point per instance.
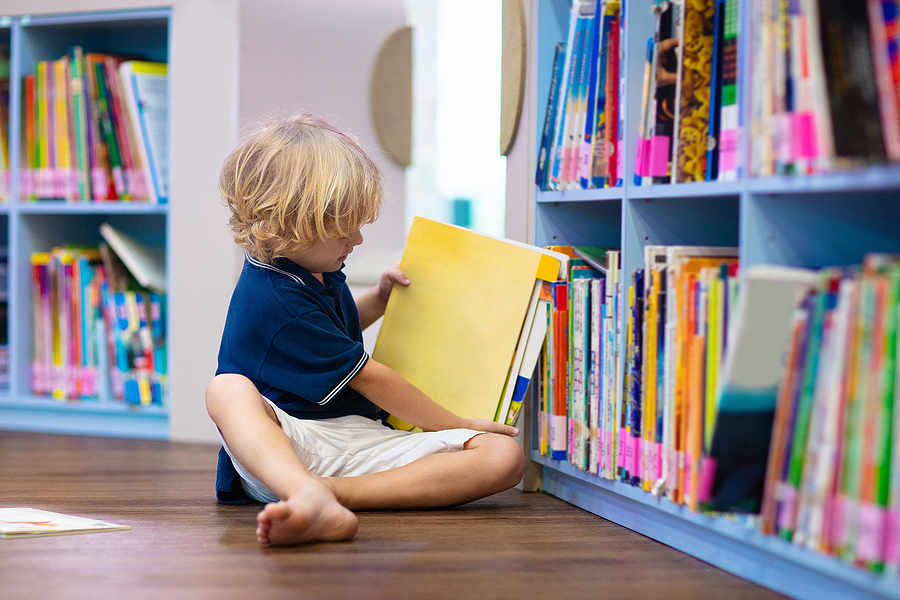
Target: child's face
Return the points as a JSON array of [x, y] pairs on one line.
[[325, 256]]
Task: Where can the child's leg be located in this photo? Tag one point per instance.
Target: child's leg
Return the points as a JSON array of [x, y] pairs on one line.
[[490, 463], [308, 510]]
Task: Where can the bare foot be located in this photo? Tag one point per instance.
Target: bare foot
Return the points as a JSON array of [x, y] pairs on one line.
[[311, 515]]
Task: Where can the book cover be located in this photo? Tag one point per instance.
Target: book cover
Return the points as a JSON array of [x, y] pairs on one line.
[[146, 263], [851, 82], [715, 92], [547, 134], [664, 100], [694, 106], [748, 390], [730, 111], [145, 86], [454, 331]]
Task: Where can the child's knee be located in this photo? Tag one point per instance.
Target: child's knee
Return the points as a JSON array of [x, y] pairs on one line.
[[225, 388], [507, 458]]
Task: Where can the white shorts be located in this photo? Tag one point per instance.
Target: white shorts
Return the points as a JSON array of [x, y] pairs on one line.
[[351, 446]]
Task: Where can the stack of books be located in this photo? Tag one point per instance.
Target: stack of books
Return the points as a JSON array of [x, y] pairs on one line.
[[99, 331], [581, 139]]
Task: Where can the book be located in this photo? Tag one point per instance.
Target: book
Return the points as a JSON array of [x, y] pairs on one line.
[[694, 100], [729, 117], [145, 262], [546, 148], [32, 522], [715, 92], [748, 389], [145, 86], [455, 331]]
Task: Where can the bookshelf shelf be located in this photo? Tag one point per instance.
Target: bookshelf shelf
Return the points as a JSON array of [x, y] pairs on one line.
[[31, 413], [685, 190], [810, 222], [89, 208], [610, 194]]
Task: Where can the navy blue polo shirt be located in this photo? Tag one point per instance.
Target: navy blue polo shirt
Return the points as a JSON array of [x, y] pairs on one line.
[[299, 341]]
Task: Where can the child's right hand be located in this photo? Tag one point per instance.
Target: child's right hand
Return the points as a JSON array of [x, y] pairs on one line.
[[388, 278], [491, 427]]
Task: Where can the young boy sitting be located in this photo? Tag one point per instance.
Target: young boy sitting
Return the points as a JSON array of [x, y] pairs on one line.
[[296, 399]]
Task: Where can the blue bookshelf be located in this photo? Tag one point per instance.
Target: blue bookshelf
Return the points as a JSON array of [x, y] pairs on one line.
[[831, 219], [37, 226]]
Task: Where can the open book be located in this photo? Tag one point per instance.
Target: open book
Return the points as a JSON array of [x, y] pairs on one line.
[[32, 522], [464, 331]]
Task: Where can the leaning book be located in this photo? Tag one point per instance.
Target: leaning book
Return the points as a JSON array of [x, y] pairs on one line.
[[465, 331], [33, 522]]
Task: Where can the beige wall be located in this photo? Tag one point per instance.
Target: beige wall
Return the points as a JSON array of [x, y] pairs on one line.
[[518, 224], [327, 50]]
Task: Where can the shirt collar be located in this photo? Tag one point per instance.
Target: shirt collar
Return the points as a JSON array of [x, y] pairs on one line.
[[289, 268]]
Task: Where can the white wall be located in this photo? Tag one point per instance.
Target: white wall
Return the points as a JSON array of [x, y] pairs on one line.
[[325, 52]]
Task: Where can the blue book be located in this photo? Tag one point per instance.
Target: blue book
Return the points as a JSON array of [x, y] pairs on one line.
[[715, 93], [547, 136]]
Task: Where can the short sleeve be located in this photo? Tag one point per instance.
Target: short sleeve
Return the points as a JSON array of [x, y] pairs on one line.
[[311, 357]]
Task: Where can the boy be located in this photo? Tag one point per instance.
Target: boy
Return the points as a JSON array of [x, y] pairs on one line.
[[296, 399]]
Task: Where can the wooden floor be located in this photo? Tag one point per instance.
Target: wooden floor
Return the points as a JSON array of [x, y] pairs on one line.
[[182, 544]]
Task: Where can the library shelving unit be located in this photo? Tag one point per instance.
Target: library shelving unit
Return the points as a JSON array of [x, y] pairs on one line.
[[811, 222], [39, 225]]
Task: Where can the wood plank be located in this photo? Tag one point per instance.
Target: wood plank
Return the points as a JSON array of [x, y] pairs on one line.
[[184, 545]]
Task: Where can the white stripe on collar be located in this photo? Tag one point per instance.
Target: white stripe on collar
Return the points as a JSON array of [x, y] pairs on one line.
[[258, 263]]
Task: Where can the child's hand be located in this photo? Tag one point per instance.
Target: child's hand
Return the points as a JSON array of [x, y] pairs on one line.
[[491, 427], [388, 279]]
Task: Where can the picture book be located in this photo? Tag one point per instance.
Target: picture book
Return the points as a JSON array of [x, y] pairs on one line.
[[32, 522], [461, 331], [757, 341], [147, 263]]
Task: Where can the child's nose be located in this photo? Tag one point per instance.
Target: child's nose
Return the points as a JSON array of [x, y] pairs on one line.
[[356, 238]]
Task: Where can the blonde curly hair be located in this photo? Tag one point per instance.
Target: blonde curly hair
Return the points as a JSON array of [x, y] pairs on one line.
[[294, 180]]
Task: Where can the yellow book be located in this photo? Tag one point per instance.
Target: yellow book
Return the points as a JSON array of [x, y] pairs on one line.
[[459, 330]]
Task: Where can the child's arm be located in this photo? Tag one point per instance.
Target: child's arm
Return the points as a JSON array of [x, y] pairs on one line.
[[392, 392], [371, 304]]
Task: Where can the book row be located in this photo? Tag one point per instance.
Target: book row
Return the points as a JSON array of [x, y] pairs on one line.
[[689, 117], [824, 92], [581, 139], [97, 335], [772, 399], [832, 480], [95, 130], [825, 84]]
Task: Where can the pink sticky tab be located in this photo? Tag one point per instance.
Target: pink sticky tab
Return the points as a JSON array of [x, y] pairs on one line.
[[727, 154], [636, 457], [659, 156], [642, 148], [707, 475], [805, 137], [787, 513], [839, 521], [892, 537], [870, 540], [659, 460]]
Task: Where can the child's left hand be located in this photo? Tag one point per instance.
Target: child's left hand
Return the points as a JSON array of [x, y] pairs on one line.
[[492, 427], [388, 279]]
